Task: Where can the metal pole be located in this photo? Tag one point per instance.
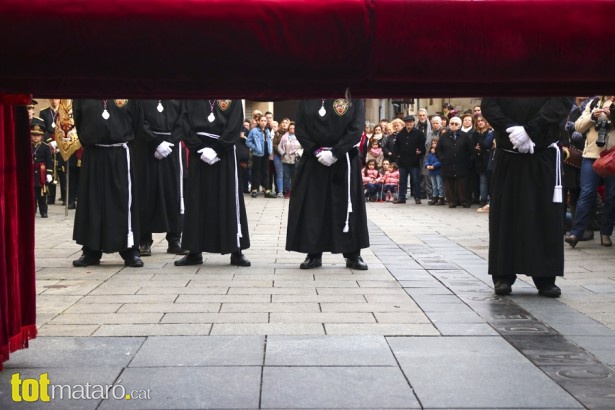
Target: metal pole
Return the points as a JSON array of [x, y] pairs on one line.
[[66, 196]]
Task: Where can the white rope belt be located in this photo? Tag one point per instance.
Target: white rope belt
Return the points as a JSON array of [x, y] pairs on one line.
[[237, 213], [130, 237], [181, 180], [557, 190], [181, 173], [206, 134], [349, 208]]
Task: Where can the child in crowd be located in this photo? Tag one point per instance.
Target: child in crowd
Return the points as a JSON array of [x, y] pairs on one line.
[[375, 152], [391, 181], [435, 168], [371, 180]]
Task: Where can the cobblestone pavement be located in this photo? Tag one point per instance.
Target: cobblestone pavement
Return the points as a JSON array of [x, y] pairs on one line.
[[420, 329]]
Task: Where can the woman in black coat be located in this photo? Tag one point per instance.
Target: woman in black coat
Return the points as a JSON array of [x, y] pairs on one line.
[[456, 152]]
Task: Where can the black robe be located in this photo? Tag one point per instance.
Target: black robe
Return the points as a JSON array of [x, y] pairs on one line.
[[101, 219], [158, 180], [525, 225], [319, 201], [214, 194]]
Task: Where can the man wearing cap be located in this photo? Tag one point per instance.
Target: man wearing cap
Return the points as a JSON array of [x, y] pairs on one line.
[[327, 208], [43, 164], [409, 149], [106, 219]]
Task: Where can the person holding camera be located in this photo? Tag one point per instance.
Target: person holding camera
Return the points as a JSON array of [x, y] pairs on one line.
[[597, 122]]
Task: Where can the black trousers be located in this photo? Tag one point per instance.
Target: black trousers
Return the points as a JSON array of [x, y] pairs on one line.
[[260, 173], [346, 254], [40, 200]]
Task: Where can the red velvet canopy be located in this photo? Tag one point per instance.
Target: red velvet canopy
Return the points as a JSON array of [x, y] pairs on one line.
[[276, 49], [269, 50]]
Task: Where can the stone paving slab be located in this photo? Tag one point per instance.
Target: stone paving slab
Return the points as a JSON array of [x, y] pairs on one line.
[[195, 351], [59, 352], [328, 351], [336, 387], [232, 387], [439, 370]]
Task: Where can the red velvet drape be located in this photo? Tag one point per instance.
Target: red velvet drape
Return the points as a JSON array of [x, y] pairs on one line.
[[289, 49], [17, 283]]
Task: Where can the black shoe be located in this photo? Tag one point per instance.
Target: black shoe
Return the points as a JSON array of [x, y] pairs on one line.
[[399, 201], [238, 259], [190, 259], [356, 263], [145, 249], [133, 262], [311, 263], [417, 201], [175, 248], [86, 261], [571, 240], [551, 291], [502, 288], [51, 202], [253, 194], [43, 215], [71, 205]]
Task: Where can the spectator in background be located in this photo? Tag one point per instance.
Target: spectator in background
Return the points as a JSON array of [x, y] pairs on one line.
[[276, 169], [409, 149], [436, 131], [388, 147], [434, 167], [390, 181], [290, 150], [260, 144], [371, 180], [571, 176], [455, 151], [598, 110], [364, 144], [375, 153], [482, 138]]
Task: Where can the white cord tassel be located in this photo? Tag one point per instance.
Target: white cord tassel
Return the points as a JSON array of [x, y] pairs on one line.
[[237, 213], [349, 209], [181, 180], [557, 190]]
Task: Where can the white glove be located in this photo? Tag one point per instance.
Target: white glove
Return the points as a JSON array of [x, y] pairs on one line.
[[517, 136], [49, 178], [54, 144], [164, 149], [157, 155], [526, 147], [520, 140], [208, 155], [326, 158]]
